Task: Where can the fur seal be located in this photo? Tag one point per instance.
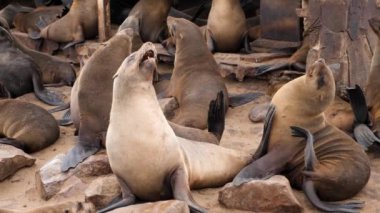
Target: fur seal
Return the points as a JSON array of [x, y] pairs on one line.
[[151, 15], [331, 166], [19, 74], [226, 29], [27, 22], [139, 131], [55, 71], [90, 101], [195, 80], [27, 126], [80, 23], [8, 13]]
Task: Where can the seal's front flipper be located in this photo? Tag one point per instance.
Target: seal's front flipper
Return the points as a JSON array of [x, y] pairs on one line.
[[308, 184], [263, 69], [127, 197], [365, 136], [49, 97], [78, 154], [216, 116], [358, 104], [12, 142], [246, 44], [238, 100], [263, 147], [181, 191], [66, 119]]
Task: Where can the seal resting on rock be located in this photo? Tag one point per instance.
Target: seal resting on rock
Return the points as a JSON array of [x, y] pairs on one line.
[[330, 165], [139, 132], [26, 126]]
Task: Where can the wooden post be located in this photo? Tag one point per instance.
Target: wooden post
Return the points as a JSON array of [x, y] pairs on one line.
[[104, 21]]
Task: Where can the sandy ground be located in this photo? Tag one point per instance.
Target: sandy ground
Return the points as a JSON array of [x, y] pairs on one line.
[[19, 192]]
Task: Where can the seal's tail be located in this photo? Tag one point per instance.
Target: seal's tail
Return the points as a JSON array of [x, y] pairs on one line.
[[216, 116], [362, 132]]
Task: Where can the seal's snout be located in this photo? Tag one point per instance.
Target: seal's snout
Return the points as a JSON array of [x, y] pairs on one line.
[[321, 60]]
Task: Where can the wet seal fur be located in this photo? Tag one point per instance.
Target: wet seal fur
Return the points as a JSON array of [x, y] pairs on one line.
[[19, 74], [327, 164], [26, 126], [151, 16], [139, 131], [80, 23]]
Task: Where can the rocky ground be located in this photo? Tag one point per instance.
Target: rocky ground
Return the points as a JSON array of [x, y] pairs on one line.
[[19, 191]]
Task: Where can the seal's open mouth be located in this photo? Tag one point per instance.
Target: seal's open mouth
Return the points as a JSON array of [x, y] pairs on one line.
[[148, 54]]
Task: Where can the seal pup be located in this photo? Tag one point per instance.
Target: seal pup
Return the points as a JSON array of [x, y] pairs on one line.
[[90, 102], [195, 80], [226, 29], [151, 15], [8, 13], [19, 74], [80, 23], [331, 166], [139, 132], [26, 126]]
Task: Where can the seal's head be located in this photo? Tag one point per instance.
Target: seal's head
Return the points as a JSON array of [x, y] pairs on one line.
[[320, 84], [139, 66], [182, 29]]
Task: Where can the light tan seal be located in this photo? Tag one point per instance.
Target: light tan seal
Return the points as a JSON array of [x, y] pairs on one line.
[[151, 16], [326, 163], [26, 126], [80, 23], [226, 28], [150, 162]]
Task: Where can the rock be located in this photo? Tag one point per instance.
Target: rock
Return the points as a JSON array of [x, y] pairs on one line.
[[271, 195], [49, 178], [51, 181], [102, 191], [69, 206], [12, 159], [170, 206]]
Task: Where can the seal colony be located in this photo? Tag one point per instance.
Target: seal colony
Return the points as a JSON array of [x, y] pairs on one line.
[[183, 164]]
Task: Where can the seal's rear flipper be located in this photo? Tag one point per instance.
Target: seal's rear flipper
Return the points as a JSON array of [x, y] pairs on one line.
[[66, 119], [78, 154], [241, 99], [179, 181], [73, 43], [49, 97], [12, 142], [263, 69], [308, 184], [127, 198], [358, 104], [364, 136], [59, 108], [216, 116]]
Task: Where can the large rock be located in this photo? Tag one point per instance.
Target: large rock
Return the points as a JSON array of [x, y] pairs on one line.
[[170, 206], [12, 159], [51, 181], [271, 195], [102, 191]]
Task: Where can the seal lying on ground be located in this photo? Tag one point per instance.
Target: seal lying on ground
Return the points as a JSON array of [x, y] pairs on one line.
[[139, 132], [330, 166], [19, 74], [26, 126], [8, 13], [151, 15], [80, 23], [195, 80], [226, 29]]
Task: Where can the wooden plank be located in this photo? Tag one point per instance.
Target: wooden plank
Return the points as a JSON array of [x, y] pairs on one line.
[[104, 21]]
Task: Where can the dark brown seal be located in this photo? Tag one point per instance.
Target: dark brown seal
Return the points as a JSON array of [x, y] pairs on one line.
[[151, 16], [19, 74], [80, 23], [168, 166], [91, 96], [330, 165], [26, 126]]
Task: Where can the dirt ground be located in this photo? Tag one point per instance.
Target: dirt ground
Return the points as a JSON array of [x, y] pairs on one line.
[[19, 191]]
